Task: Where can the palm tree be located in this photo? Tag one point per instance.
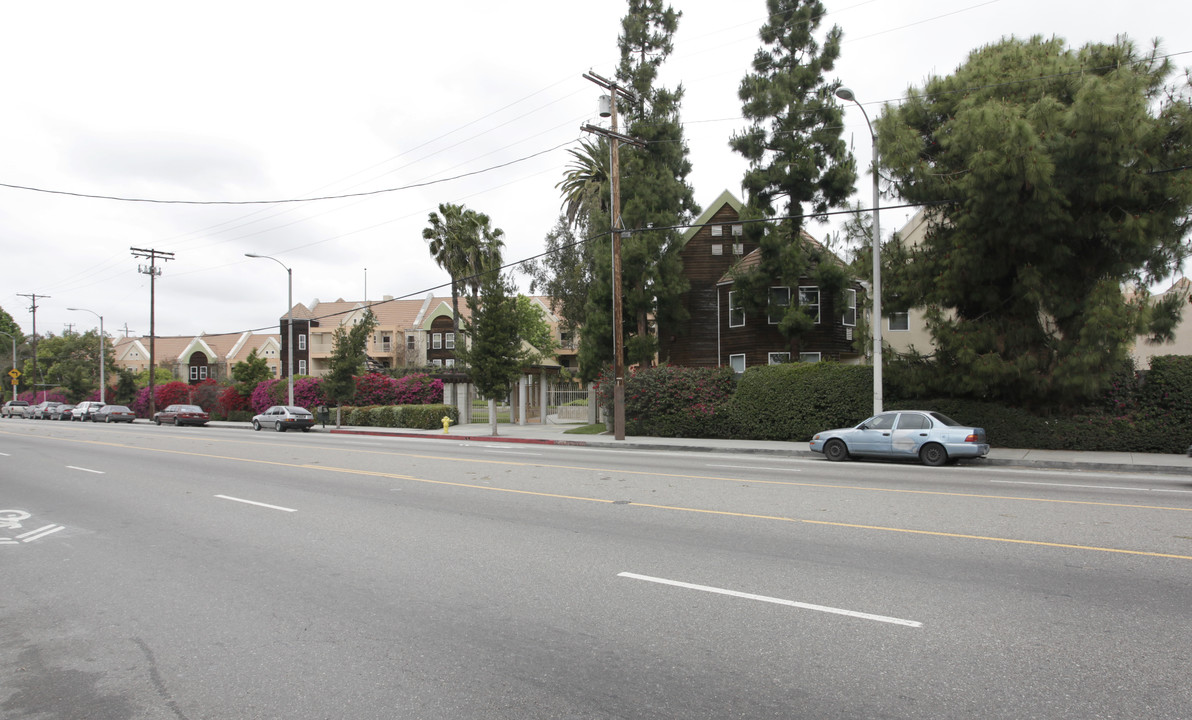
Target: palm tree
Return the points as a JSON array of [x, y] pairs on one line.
[[585, 182], [452, 239]]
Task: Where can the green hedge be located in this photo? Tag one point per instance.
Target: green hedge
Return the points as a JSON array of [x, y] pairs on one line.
[[794, 401], [422, 417]]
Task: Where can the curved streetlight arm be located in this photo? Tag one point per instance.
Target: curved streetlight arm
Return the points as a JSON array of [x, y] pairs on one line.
[[102, 380], [289, 322], [847, 95]]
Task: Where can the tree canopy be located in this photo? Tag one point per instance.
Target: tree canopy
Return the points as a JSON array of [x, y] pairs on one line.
[[249, 372], [348, 358], [798, 163], [1064, 189]]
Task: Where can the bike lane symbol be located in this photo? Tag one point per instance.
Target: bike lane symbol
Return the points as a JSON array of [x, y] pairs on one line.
[[11, 520]]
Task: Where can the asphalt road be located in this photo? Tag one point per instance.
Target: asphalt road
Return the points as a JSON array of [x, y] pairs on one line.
[[212, 573]]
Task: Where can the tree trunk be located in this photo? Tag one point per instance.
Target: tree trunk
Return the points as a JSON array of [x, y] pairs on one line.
[[492, 415]]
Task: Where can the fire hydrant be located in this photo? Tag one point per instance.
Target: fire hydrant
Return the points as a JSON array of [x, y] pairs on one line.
[[446, 424]]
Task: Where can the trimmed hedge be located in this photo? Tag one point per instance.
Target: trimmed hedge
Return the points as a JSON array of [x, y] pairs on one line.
[[422, 417], [794, 401]]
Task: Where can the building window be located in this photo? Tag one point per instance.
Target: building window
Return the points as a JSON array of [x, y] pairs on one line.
[[738, 248], [717, 230], [900, 321], [437, 362], [302, 341], [736, 313], [809, 357], [386, 343], [738, 230], [809, 301], [780, 297], [717, 249], [436, 341], [449, 362], [194, 372], [411, 342], [737, 363], [850, 308], [301, 367], [779, 358], [450, 341]]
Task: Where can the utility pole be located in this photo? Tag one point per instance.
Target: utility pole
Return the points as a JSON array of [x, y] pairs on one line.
[[152, 271], [615, 139], [33, 309]]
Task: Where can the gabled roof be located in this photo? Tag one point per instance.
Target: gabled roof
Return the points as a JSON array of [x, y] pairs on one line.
[[754, 259], [725, 197]]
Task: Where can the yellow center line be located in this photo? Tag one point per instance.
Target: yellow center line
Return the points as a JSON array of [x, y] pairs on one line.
[[670, 508]]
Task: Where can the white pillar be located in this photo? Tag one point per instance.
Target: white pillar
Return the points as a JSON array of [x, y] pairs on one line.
[[522, 396]]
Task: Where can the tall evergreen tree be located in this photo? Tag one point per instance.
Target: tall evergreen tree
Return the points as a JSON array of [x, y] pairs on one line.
[[654, 194], [494, 353], [348, 359], [798, 163], [1066, 173]]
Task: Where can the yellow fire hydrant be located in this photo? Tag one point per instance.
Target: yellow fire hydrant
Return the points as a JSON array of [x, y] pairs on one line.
[[446, 424]]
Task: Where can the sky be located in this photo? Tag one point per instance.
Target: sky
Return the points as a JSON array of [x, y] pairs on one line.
[[469, 101]]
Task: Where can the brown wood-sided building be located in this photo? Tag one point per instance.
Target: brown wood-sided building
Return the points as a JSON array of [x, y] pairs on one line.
[[716, 335]]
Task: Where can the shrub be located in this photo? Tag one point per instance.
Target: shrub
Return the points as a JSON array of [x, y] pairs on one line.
[[671, 401], [793, 401], [418, 389], [375, 389], [261, 398], [427, 417], [308, 393], [171, 393]]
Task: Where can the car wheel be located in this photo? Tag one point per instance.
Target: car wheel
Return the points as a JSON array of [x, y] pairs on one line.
[[107, 418], [933, 454], [305, 429], [256, 425], [158, 421], [177, 422], [279, 427], [835, 450]]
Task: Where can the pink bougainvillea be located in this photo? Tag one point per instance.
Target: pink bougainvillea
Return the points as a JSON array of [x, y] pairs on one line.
[[418, 389]]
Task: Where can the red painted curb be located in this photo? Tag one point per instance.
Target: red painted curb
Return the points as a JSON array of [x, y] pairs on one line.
[[476, 438]]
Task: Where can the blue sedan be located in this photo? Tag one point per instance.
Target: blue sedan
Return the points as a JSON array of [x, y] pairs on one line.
[[933, 438]]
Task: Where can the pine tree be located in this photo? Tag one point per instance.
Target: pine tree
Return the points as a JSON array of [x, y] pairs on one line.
[[798, 163], [1065, 176], [348, 358], [494, 352]]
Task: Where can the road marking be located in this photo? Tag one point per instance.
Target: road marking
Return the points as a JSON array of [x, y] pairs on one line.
[[676, 508], [750, 467], [258, 504], [97, 472], [5, 455], [1095, 487], [39, 533], [776, 601], [513, 452]]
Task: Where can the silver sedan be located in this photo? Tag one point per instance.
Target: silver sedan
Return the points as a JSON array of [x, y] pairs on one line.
[[933, 438]]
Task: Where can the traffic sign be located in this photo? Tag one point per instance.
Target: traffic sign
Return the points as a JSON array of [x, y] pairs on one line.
[[14, 373]]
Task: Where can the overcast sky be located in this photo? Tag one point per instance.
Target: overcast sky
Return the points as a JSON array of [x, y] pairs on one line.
[[247, 101]]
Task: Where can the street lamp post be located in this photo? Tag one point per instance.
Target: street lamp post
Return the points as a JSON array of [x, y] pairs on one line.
[[14, 361], [290, 321], [102, 381], [847, 95]]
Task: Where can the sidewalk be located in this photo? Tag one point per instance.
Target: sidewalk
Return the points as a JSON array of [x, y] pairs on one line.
[[557, 435]]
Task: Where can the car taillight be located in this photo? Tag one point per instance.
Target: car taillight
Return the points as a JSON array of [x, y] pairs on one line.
[[972, 438]]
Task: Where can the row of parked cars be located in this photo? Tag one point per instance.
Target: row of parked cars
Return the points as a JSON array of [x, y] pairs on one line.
[[278, 417]]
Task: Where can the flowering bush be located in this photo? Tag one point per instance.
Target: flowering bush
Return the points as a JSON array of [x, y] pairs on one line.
[[375, 389], [171, 393], [231, 401], [308, 392], [35, 397], [671, 401], [418, 389], [262, 396]]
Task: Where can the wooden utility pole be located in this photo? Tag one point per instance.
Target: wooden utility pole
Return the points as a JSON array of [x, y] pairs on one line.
[[152, 271], [615, 139], [33, 309]]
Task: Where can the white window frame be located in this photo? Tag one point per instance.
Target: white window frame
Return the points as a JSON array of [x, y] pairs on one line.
[[302, 341], [738, 248], [805, 293], [717, 249], [734, 359], [436, 341], [738, 230], [736, 318], [717, 231], [301, 367], [194, 372], [449, 341], [411, 341], [770, 318], [904, 316], [849, 318], [436, 362], [449, 362], [810, 357], [778, 358]]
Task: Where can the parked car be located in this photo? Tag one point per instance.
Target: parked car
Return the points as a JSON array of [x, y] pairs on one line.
[[113, 413], [62, 412], [181, 415], [83, 410], [933, 438], [284, 417], [14, 409], [41, 411]]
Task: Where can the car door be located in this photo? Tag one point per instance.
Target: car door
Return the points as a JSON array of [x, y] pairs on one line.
[[909, 434], [873, 438]]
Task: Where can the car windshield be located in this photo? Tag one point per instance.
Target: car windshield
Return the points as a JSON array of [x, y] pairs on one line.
[[945, 419], [189, 408], [116, 408]]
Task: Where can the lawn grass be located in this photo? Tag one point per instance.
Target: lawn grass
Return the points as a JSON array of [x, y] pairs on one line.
[[596, 429]]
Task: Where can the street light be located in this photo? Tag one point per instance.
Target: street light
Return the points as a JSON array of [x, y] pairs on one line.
[[102, 383], [14, 362], [290, 328], [847, 95]]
